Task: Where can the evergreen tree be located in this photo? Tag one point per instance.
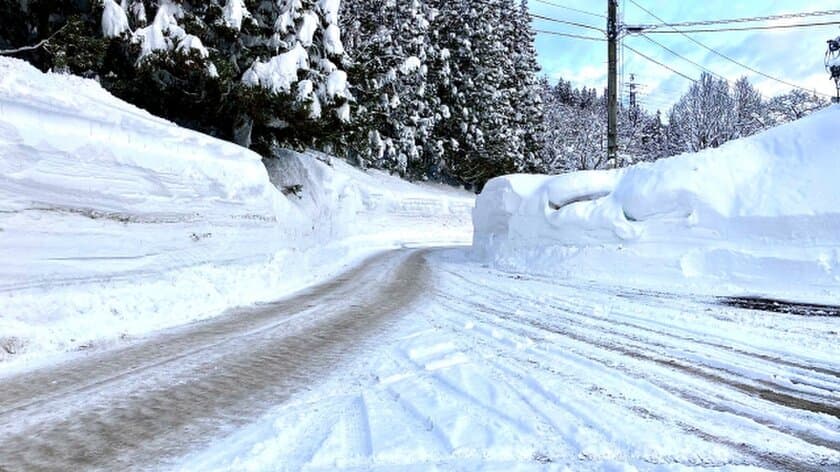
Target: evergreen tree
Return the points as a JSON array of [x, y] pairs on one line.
[[261, 73], [441, 89], [527, 104], [389, 46], [482, 77], [299, 94]]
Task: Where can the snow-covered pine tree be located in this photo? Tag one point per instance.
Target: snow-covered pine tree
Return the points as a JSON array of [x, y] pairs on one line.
[[269, 73], [457, 130], [271, 70], [300, 93], [479, 78], [389, 45], [527, 101], [158, 59], [60, 36]]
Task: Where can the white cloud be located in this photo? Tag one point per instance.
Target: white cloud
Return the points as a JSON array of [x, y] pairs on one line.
[[584, 76], [793, 55]]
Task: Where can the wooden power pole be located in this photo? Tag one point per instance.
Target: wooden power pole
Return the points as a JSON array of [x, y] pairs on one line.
[[612, 82]]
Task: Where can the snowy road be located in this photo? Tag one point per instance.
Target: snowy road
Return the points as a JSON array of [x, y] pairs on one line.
[[422, 358], [161, 397]]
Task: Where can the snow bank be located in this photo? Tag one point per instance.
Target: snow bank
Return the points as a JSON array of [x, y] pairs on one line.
[[758, 214], [352, 206], [114, 222], [66, 141]]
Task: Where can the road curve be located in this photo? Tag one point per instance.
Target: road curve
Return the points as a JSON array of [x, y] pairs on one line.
[[144, 404], [641, 362]]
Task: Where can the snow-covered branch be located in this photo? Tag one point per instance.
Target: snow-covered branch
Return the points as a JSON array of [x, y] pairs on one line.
[[33, 47]]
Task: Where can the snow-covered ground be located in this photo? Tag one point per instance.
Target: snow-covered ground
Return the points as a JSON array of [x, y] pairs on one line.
[[501, 372], [756, 216], [114, 223]]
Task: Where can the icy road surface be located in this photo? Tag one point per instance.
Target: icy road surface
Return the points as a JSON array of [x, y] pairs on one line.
[[421, 359]]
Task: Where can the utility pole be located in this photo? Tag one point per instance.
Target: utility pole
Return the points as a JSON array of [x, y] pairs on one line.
[[612, 82]]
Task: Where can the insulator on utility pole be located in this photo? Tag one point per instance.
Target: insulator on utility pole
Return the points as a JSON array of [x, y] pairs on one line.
[[612, 82], [832, 64]]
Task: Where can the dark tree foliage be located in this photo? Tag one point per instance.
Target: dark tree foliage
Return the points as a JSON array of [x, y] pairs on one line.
[[446, 90]]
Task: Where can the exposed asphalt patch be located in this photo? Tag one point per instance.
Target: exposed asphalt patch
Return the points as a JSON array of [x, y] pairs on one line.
[[781, 306]]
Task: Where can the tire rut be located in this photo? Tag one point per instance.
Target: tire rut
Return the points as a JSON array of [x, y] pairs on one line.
[[757, 355], [782, 400], [144, 417], [763, 458], [773, 392], [91, 370]]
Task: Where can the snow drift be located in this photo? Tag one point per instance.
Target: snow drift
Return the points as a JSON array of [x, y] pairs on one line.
[[761, 213], [114, 222]]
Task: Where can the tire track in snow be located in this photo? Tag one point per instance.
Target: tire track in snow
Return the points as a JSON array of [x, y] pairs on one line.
[[208, 338], [581, 316], [779, 398], [578, 309], [468, 399], [531, 385], [761, 457], [757, 355], [465, 304], [782, 395], [148, 403]]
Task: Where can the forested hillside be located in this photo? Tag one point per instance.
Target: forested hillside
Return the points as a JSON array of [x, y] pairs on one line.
[[711, 113], [448, 90], [440, 89]]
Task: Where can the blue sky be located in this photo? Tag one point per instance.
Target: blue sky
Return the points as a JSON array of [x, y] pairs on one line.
[[795, 55]]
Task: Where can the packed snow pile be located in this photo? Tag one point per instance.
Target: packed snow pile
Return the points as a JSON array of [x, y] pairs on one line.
[[114, 222], [67, 142], [757, 214], [349, 205]]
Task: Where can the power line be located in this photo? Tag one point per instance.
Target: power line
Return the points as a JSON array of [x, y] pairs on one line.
[[694, 81], [705, 69], [683, 57], [548, 18], [724, 56], [660, 64], [746, 28], [584, 12], [571, 23], [748, 19], [701, 67], [569, 35]]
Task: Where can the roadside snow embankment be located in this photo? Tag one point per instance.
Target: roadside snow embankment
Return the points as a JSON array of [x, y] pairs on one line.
[[760, 214], [114, 222]]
